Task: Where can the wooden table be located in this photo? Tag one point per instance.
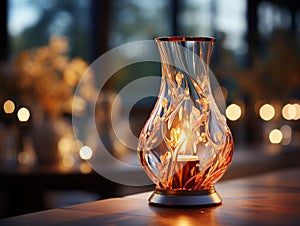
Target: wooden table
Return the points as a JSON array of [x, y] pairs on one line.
[[24, 189], [267, 199]]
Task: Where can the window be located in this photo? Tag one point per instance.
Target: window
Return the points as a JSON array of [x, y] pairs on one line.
[[218, 18], [272, 17], [133, 20], [31, 23]]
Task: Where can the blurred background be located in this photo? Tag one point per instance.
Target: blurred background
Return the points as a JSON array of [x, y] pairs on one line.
[[46, 45]]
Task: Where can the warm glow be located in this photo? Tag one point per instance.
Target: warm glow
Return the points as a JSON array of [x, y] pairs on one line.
[[183, 221], [85, 168], [267, 112], [23, 114], [86, 152], [68, 161], [285, 112], [291, 111], [8, 107], [297, 107], [65, 145], [24, 158], [78, 106], [275, 136], [233, 112]]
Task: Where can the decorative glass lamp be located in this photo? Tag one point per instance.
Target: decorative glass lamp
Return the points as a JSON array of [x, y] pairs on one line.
[[185, 146]]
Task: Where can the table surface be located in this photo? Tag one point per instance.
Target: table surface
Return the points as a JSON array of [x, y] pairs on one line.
[[268, 199], [25, 188]]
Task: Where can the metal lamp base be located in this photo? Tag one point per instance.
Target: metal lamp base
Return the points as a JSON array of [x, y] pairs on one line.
[[183, 198]]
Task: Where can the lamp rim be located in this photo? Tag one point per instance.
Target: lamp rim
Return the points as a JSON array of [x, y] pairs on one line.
[[185, 39]]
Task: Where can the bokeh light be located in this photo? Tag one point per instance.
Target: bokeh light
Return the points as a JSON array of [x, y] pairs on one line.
[[68, 161], [233, 112], [23, 114], [297, 107], [85, 152], [286, 134], [65, 145], [24, 158], [275, 136], [291, 111], [9, 107], [267, 112], [85, 168]]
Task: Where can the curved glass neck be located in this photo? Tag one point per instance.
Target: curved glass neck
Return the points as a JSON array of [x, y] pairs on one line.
[[185, 51]]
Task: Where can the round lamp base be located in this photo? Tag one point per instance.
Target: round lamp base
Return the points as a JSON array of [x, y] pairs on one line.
[[180, 198]]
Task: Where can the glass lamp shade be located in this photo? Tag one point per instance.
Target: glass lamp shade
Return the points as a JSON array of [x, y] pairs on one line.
[[185, 146]]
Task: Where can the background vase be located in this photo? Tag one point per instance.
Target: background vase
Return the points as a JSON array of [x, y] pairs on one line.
[[45, 136]]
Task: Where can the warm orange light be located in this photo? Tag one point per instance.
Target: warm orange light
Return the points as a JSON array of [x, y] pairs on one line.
[[85, 168], [183, 221], [78, 105], [24, 158], [9, 107], [68, 161], [65, 145]]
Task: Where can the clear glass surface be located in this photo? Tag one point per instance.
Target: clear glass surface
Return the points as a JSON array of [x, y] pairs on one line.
[[186, 143]]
